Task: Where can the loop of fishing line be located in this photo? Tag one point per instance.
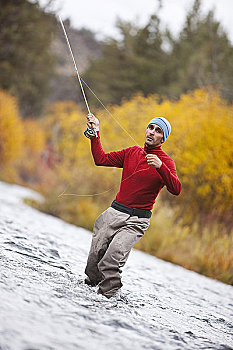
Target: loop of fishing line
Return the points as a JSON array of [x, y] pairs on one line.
[[100, 193]]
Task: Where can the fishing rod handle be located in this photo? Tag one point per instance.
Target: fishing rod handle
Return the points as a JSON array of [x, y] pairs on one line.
[[90, 131]]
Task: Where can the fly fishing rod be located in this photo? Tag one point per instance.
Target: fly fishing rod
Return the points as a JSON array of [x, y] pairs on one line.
[[90, 133]]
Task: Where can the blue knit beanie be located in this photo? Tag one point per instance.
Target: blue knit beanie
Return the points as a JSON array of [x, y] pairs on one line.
[[163, 124]]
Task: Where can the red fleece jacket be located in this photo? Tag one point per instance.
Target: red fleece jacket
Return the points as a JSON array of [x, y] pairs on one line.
[[140, 183]]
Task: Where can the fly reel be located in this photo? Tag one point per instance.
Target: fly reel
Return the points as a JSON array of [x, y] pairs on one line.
[[90, 133]]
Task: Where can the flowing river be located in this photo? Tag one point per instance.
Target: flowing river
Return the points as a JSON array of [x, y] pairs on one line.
[[45, 305]]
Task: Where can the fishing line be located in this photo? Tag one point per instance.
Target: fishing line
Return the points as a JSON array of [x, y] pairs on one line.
[[100, 193], [109, 112], [81, 86], [75, 65], [91, 130]]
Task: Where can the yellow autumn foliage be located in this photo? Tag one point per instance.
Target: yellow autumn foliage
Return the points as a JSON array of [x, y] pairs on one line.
[[21, 143], [34, 139], [29, 164], [11, 129], [64, 131]]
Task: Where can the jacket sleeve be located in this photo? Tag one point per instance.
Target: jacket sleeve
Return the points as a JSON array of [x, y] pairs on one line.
[[170, 178], [112, 159]]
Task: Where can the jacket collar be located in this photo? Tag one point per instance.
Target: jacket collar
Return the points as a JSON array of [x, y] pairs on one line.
[[152, 150]]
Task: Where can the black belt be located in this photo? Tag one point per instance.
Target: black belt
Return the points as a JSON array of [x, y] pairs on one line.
[[141, 213]]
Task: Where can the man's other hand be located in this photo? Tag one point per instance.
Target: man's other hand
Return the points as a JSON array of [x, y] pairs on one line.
[[93, 122], [153, 160]]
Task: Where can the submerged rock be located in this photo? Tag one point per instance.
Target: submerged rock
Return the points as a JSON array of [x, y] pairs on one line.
[[44, 303]]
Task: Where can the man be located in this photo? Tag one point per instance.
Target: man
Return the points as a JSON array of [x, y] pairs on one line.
[[145, 171]]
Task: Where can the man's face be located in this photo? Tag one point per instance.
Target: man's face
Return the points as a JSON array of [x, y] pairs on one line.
[[153, 136]]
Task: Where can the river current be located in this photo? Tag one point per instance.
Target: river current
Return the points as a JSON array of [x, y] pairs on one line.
[[45, 305]]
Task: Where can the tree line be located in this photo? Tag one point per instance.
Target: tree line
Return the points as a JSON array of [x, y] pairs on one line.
[[147, 59], [151, 60]]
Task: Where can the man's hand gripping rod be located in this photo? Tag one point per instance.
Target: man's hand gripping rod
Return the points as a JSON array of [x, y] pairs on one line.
[[90, 133]]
